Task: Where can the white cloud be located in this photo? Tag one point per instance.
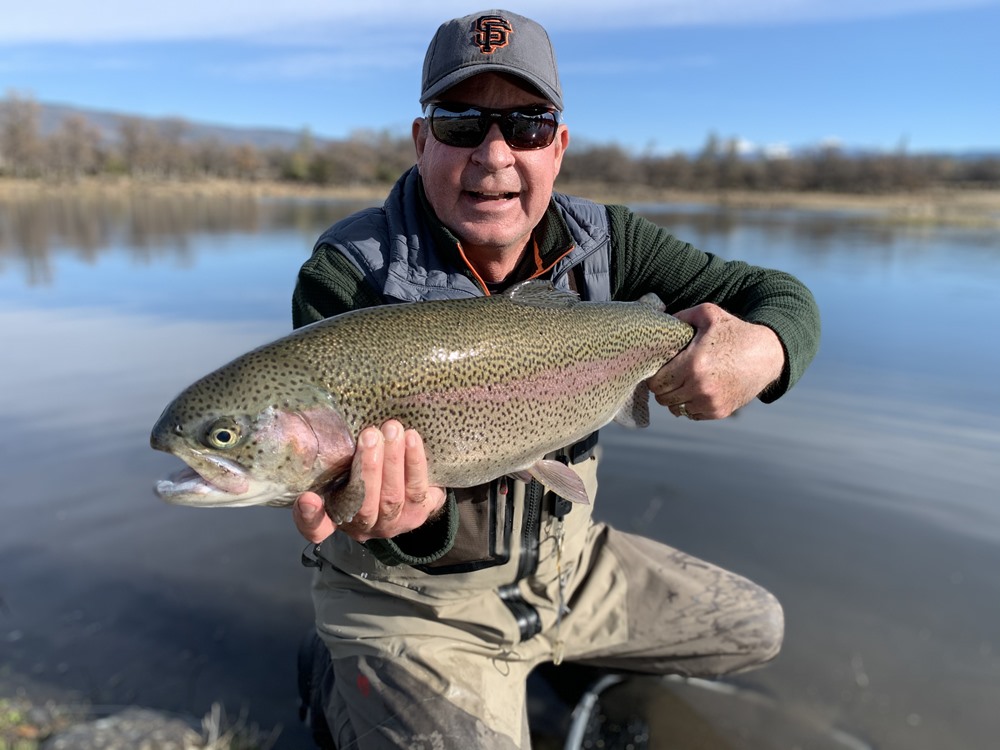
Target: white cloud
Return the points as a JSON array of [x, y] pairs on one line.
[[126, 20], [777, 151]]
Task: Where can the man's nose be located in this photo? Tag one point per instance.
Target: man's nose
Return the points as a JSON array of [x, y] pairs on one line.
[[493, 151]]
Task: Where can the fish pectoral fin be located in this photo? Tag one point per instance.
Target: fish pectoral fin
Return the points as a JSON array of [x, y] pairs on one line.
[[559, 478], [635, 411], [343, 497]]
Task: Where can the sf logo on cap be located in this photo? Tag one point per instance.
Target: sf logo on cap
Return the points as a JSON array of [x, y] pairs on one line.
[[492, 33]]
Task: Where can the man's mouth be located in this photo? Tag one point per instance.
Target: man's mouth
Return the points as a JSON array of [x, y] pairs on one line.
[[491, 196]]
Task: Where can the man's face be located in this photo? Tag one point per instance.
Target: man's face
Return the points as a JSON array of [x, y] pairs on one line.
[[491, 196]]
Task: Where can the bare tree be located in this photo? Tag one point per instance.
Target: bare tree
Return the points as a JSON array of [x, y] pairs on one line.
[[608, 163], [297, 163], [166, 149], [74, 149], [135, 147], [247, 162], [175, 159], [20, 139]]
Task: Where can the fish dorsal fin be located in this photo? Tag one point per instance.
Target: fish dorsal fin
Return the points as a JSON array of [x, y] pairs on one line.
[[653, 301], [537, 293]]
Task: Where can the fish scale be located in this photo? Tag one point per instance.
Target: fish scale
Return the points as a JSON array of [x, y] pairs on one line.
[[492, 385]]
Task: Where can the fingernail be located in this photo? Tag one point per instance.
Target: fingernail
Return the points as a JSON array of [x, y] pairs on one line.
[[391, 431], [369, 438], [308, 512]]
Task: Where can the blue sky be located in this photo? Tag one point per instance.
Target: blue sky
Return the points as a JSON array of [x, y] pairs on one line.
[[647, 74]]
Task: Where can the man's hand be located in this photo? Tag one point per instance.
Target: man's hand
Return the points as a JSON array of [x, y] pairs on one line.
[[392, 464], [726, 365]]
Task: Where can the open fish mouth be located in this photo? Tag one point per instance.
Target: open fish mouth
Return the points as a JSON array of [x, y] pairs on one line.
[[187, 482], [220, 482], [228, 485]]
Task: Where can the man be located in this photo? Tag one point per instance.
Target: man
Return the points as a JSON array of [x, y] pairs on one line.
[[436, 603]]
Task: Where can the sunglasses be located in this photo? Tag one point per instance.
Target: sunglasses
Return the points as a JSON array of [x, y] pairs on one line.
[[465, 126]]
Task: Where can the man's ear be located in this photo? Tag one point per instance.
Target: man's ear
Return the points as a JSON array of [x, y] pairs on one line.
[[562, 142], [419, 131]]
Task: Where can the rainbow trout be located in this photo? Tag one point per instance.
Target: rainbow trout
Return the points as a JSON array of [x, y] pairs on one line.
[[492, 384]]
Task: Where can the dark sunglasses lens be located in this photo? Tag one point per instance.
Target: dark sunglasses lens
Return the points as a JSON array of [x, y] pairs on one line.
[[467, 128], [462, 129], [529, 131]]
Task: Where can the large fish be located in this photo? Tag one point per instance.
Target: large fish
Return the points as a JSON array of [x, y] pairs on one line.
[[492, 384]]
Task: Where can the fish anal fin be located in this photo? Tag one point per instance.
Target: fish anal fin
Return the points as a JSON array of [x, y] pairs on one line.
[[559, 478], [635, 411]]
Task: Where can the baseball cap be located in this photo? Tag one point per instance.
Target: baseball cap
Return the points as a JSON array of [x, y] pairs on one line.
[[491, 40]]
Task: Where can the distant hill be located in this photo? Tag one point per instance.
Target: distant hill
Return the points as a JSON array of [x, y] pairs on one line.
[[109, 126], [175, 147]]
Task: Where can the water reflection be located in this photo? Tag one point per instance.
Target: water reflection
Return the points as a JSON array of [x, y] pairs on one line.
[[865, 499], [823, 237], [150, 226]]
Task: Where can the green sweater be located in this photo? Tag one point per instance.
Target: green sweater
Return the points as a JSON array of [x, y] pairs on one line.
[[644, 258]]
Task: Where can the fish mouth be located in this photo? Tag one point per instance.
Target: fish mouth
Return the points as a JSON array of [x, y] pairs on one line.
[[220, 481]]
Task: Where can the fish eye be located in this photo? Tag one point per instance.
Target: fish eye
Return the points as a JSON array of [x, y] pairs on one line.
[[223, 433]]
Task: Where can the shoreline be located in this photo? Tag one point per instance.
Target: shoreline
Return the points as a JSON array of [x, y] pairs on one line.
[[972, 208]]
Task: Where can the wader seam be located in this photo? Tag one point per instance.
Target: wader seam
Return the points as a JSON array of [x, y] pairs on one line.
[[529, 622]]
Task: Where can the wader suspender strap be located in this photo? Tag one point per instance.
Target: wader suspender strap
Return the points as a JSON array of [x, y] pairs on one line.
[[529, 622]]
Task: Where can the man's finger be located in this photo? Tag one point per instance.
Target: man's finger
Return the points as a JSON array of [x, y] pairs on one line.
[[311, 519], [666, 382], [368, 466], [415, 468], [392, 492]]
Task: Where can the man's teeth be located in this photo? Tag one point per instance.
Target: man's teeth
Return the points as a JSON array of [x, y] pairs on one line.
[[492, 195]]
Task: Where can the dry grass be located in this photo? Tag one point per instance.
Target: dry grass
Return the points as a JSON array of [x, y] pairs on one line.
[[933, 206], [122, 187]]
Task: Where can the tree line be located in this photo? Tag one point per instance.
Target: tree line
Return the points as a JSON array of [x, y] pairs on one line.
[[166, 149]]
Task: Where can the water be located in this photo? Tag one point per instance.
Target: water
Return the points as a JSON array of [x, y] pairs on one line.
[[866, 499]]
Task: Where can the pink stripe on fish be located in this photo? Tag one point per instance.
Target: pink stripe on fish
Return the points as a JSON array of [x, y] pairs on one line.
[[552, 384]]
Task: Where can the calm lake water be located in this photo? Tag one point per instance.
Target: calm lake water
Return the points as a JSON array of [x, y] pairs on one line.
[[867, 499]]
